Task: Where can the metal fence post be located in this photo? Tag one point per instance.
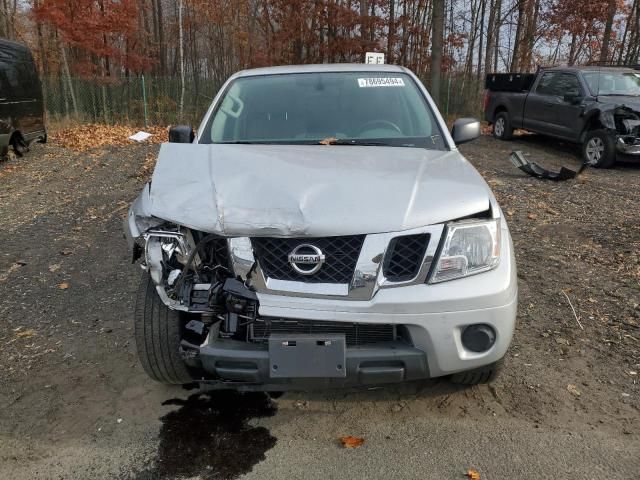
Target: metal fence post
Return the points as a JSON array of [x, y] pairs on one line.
[[144, 102], [446, 110]]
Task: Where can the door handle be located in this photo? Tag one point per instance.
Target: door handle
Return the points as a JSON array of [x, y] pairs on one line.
[[548, 104]]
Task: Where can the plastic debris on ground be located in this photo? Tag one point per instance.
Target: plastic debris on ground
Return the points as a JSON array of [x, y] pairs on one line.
[[140, 136], [535, 170]]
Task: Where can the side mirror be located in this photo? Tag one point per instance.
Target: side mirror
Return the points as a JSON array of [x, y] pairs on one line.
[[465, 130], [572, 98], [181, 134]]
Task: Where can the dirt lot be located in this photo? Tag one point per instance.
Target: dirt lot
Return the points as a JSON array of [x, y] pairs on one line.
[[76, 404]]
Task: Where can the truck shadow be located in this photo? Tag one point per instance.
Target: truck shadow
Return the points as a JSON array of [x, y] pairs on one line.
[[568, 151], [424, 389], [203, 436], [552, 145]]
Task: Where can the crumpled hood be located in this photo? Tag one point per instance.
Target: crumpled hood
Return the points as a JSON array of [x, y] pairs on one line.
[[312, 190], [630, 102]]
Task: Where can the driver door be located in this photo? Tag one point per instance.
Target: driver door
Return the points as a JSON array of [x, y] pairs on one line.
[[566, 112], [547, 111]]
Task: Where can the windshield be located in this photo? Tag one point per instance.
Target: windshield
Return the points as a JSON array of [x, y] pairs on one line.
[[352, 108], [613, 83]]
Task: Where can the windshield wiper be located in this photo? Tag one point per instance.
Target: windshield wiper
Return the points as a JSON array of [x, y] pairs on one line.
[[619, 94], [353, 142], [244, 142]]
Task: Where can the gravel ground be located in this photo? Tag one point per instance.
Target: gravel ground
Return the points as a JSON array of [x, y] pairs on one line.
[[76, 404]]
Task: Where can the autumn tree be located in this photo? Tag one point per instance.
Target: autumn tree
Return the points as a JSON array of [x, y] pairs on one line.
[[103, 35], [203, 41]]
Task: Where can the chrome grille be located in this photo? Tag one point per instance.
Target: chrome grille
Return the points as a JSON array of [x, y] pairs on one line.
[[355, 333], [341, 257], [404, 257]]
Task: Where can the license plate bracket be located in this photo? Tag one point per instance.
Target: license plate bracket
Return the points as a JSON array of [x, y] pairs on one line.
[[305, 356]]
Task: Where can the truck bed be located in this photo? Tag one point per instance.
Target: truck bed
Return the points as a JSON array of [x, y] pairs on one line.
[[509, 82]]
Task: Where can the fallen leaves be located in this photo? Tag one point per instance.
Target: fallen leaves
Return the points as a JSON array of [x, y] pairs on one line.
[[147, 166], [351, 442], [85, 137], [15, 266], [63, 285], [28, 333], [472, 474], [573, 390]]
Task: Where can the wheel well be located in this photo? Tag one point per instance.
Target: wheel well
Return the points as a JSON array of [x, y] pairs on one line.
[[16, 135], [593, 123], [498, 109]]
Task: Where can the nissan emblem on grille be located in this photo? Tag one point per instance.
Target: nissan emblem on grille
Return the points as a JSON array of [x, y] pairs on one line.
[[306, 254]]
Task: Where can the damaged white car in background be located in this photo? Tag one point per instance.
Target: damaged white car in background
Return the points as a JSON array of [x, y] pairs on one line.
[[321, 230]]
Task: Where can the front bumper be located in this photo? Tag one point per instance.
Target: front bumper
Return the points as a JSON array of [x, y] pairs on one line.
[[245, 366], [434, 315], [628, 146], [436, 350]]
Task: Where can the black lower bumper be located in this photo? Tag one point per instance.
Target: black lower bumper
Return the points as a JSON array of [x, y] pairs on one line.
[[245, 366]]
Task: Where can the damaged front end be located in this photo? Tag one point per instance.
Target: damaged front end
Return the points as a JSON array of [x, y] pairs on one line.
[[192, 273], [624, 122], [627, 124]]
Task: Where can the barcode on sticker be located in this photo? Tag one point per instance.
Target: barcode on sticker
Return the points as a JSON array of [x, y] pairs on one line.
[[380, 82]]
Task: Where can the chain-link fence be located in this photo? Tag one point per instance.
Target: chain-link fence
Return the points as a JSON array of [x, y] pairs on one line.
[[461, 96], [148, 100], [134, 100]]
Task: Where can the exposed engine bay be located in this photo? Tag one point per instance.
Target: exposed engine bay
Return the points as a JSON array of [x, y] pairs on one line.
[[627, 127], [192, 274]]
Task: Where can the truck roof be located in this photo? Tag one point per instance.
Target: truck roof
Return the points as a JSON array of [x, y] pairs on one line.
[[592, 68], [320, 68], [14, 50]]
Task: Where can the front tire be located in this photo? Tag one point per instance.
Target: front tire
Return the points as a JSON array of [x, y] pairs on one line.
[[502, 128], [598, 149], [476, 376], [158, 332]]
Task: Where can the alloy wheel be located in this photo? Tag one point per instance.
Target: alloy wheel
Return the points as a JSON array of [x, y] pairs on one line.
[[498, 128], [594, 150]]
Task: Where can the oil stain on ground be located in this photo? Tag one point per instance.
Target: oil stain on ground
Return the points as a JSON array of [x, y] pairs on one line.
[[209, 436]]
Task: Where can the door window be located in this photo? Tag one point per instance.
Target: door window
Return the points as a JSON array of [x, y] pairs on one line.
[[545, 87], [567, 84], [12, 81], [558, 84]]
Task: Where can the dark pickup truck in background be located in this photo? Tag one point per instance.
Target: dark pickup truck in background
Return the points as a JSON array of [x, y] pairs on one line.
[[21, 103], [597, 107]]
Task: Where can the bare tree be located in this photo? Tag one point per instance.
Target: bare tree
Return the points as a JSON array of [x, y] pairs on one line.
[[437, 41], [611, 13], [181, 50]]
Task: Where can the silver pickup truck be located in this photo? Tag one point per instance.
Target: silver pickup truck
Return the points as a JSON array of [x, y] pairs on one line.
[[321, 230]]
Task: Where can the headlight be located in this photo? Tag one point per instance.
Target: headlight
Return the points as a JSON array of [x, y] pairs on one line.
[[470, 247]]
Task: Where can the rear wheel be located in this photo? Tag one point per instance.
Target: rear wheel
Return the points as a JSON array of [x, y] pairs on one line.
[[158, 332], [502, 127], [476, 376], [598, 149], [18, 145]]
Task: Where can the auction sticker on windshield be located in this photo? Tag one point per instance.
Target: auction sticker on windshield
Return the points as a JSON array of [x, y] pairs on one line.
[[380, 82]]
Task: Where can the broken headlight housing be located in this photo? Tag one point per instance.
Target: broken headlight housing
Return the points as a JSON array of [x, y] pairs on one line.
[[470, 247]]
